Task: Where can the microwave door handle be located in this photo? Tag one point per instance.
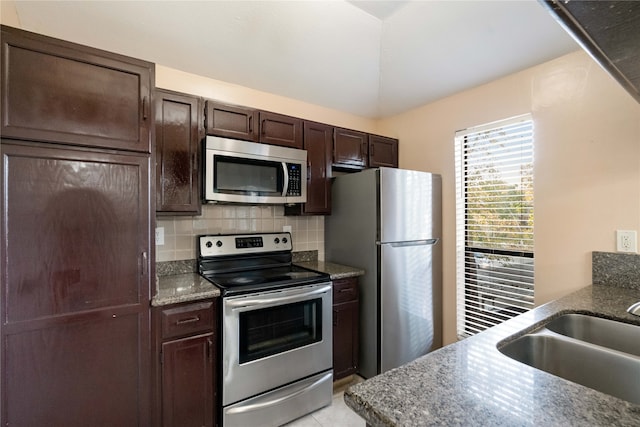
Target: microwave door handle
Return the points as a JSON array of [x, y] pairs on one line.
[[285, 187]]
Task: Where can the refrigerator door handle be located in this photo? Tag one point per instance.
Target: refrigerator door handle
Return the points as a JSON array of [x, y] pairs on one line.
[[409, 243]]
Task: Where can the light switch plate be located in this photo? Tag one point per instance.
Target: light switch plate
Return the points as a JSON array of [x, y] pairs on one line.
[[159, 236]]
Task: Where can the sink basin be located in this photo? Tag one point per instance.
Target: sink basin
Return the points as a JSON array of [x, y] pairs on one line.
[[595, 330], [598, 353]]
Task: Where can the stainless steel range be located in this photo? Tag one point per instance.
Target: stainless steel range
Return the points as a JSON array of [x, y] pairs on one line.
[[276, 329]]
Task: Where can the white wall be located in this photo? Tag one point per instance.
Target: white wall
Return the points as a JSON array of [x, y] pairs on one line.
[[587, 164]]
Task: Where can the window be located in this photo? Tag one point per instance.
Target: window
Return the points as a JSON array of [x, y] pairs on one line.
[[494, 223]]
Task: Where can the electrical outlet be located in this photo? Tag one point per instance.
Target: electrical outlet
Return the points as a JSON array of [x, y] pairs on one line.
[[626, 241], [159, 236]]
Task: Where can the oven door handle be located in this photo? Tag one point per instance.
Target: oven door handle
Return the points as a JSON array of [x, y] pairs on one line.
[[273, 402], [270, 301]]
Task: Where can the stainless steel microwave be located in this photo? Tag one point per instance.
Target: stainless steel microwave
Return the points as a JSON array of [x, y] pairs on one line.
[[246, 172]]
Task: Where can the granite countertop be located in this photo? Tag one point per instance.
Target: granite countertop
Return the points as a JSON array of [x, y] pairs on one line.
[[178, 283], [336, 271], [183, 287], [470, 383]]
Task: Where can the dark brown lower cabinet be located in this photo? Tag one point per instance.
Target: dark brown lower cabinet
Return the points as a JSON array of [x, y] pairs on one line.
[[346, 322], [75, 287], [185, 378], [187, 382]]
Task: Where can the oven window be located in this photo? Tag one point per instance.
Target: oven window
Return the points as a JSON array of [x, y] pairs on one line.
[[245, 176], [277, 329]]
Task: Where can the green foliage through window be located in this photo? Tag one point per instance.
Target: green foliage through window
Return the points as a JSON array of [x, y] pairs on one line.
[[494, 223]]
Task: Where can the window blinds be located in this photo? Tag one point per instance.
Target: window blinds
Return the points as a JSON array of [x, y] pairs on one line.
[[494, 220]]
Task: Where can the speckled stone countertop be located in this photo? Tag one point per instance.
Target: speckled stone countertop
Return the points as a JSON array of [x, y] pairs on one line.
[[336, 271], [470, 383], [178, 281], [182, 288]]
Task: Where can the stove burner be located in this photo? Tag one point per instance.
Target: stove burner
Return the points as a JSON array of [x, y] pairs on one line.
[[242, 280]]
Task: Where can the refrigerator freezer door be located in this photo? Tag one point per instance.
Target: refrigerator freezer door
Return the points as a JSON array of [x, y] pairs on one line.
[[410, 302], [409, 205]]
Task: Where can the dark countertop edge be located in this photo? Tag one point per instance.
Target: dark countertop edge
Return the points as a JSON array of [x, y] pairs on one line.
[[399, 396], [335, 271]]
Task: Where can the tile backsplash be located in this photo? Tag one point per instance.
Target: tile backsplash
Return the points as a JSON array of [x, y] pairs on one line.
[[180, 233]]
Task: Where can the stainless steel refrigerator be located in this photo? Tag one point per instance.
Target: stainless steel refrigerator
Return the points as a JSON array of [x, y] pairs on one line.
[[389, 223]]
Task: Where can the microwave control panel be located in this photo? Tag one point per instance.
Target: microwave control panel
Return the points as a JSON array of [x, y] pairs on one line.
[[295, 180]]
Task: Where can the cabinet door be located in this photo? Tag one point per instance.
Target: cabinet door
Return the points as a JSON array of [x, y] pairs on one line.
[[345, 290], [177, 153], [345, 339], [318, 139], [231, 121], [187, 382], [278, 129], [383, 151], [62, 92], [349, 149], [75, 278]]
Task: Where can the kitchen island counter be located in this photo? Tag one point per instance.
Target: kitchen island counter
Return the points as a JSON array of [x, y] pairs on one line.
[[470, 383]]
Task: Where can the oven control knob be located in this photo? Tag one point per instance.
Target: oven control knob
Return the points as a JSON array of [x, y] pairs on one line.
[[219, 243], [285, 240], [276, 240], [208, 244]]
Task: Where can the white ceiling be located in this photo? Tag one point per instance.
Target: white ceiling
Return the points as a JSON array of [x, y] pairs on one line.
[[369, 58]]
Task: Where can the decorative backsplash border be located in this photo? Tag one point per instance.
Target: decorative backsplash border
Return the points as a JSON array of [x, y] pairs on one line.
[[615, 269]]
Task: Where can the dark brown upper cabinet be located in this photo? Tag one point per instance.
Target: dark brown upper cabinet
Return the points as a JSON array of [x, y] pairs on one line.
[[318, 141], [278, 129], [231, 121], [349, 149], [383, 151], [57, 91], [248, 124], [178, 134]]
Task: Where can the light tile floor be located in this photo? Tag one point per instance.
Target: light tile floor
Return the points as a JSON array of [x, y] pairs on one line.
[[337, 414]]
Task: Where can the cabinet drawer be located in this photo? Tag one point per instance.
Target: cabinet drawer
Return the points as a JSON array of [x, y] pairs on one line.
[[345, 290], [187, 319]]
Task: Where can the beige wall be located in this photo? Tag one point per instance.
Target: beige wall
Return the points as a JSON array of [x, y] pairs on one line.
[[8, 14], [587, 164], [169, 78]]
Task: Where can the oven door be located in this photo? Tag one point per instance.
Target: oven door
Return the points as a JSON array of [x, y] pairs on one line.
[[275, 338]]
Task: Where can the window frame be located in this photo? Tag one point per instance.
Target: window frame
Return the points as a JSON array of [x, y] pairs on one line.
[[508, 277]]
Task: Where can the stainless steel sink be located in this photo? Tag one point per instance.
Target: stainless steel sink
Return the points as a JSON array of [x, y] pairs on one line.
[[598, 353], [595, 330]]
